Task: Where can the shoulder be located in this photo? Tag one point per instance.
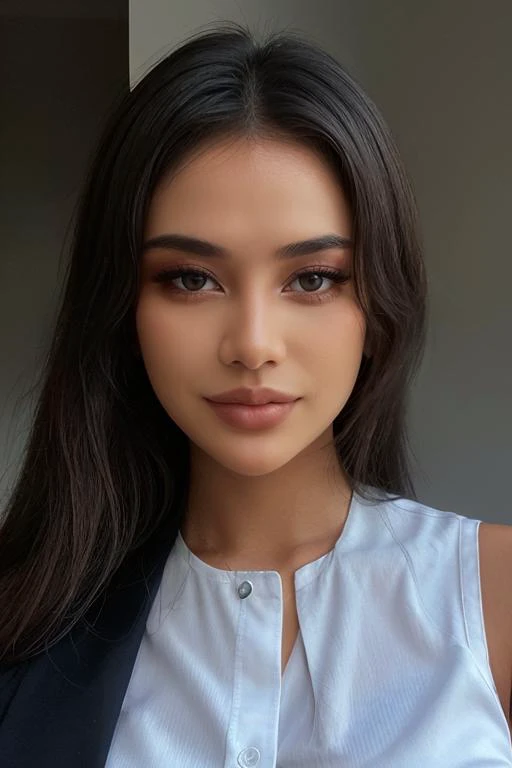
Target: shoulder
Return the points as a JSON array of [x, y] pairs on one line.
[[495, 556]]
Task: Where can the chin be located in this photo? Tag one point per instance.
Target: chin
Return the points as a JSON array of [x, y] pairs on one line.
[[252, 462]]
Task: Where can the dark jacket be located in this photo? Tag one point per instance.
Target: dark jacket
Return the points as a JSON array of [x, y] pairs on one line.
[[59, 709]]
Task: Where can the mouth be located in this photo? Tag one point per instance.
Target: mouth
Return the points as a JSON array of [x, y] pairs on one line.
[[253, 396], [252, 416]]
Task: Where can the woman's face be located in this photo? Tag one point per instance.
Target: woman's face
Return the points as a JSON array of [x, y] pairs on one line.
[[249, 319]]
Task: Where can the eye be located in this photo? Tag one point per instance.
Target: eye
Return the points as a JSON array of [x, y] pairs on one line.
[[312, 276], [192, 281]]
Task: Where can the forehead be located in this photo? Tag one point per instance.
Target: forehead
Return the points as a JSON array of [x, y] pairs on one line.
[[236, 187]]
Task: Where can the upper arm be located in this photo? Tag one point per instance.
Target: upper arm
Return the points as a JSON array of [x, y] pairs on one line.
[[495, 545]]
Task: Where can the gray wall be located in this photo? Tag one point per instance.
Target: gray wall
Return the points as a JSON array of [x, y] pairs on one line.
[[441, 72], [446, 89], [59, 77]]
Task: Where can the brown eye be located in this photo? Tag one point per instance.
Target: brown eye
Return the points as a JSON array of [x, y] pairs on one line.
[[311, 281], [193, 281], [313, 278]]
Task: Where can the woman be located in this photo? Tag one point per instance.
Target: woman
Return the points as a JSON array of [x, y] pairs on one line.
[[214, 554]]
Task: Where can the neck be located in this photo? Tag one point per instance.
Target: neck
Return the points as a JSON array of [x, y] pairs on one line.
[[273, 521]]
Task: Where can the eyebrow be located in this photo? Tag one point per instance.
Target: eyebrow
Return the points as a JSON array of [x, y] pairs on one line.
[[200, 247]]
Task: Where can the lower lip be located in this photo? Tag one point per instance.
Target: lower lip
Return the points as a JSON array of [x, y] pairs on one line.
[[252, 416]]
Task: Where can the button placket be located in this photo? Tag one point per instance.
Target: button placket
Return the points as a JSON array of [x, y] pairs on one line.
[[254, 719]]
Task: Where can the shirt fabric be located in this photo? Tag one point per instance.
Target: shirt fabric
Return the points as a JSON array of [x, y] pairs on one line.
[[390, 666]]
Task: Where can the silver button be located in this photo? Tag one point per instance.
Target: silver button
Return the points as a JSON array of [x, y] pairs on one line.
[[244, 590], [249, 757]]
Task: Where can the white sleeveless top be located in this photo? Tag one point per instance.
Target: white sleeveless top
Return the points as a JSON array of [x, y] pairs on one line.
[[390, 667]]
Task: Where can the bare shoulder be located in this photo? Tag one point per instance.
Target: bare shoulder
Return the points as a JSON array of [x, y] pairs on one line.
[[495, 545]]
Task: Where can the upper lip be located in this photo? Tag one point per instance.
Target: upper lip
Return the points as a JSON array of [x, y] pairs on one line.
[[249, 396]]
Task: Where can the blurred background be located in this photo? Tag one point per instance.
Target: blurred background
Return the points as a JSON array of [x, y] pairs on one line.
[[441, 74]]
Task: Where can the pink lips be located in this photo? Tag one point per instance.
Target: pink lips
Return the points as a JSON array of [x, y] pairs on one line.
[[252, 408], [253, 396], [252, 416]]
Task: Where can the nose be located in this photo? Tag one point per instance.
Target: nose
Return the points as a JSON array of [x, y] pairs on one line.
[[253, 334]]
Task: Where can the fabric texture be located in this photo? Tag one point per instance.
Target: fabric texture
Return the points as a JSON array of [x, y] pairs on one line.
[[390, 666]]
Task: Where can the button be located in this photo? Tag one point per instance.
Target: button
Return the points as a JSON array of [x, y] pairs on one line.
[[244, 590], [249, 757]]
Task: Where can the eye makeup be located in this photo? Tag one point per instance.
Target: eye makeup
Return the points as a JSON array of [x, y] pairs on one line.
[[169, 277]]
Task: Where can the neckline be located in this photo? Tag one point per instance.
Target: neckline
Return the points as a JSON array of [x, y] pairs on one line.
[[303, 575]]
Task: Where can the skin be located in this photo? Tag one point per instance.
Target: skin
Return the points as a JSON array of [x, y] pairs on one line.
[[275, 493], [495, 547], [276, 498]]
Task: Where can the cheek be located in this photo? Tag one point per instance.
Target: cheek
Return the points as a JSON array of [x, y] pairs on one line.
[[338, 340], [167, 341], [338, 361]]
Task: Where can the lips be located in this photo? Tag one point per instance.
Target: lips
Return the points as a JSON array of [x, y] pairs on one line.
[[253, 417], [247, 396]]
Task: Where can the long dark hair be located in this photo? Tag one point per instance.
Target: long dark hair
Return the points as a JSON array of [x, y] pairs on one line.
[[105, 467]]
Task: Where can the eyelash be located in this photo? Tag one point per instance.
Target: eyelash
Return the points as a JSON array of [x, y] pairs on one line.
[[165, 276]]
